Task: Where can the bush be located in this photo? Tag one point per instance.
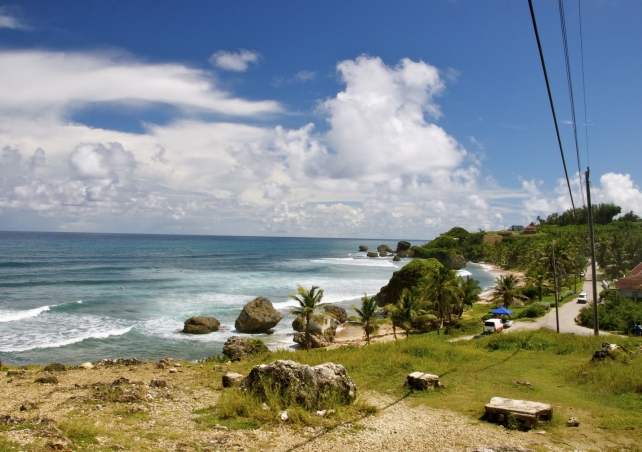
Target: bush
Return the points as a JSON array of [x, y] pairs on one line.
[[533, 311], [530, 291], [618, 313]]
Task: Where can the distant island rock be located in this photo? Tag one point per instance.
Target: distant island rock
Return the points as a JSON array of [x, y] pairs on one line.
[[201, 325], [372, 254], [258, 316], [363, 248], [402, 246]]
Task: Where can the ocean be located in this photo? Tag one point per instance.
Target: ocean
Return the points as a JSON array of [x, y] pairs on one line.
[[61, 298]]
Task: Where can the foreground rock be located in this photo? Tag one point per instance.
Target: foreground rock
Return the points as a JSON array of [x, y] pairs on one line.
[[612, 351], [339, 314], [317, 339], [406, 277], [319, 325], [55, 367], [231, 379], [258, 316], [303, 384], [243, 349], [201, 325], [421, 381], [527, 414]]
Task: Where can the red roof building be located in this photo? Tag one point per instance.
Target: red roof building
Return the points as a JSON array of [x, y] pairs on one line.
[[631, 285], [529, 230]]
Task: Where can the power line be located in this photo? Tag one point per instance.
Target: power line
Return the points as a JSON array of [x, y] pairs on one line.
[[569, 81], [550, 99], [579, 9]]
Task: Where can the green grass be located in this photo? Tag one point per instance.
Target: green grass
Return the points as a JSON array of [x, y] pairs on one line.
[[81, 431], [558, 366]]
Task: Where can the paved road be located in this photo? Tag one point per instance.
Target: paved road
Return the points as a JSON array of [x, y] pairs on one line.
[[568, 313]]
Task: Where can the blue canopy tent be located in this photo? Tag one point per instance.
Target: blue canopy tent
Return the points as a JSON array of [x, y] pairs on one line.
[[501, 311]]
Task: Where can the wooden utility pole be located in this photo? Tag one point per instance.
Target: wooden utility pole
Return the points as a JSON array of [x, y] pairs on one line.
[[557, 310], [596, 322]]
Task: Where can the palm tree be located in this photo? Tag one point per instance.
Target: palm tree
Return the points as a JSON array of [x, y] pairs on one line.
[[405, 311], [368, 316], [470, 291], [441, 289], [540, 278], [506, 289], [309, 302]]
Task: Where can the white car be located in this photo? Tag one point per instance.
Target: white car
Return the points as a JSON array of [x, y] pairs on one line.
[[582, 298]]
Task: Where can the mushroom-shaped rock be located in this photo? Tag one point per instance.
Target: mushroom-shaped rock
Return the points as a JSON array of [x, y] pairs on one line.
[[422, 381], [372, 254], [308, 386], [397, 258], [402, 246], [383, 253], [239, 348], [201, 325], [382, 248], [363, 248], [258, 316], [339, 314]]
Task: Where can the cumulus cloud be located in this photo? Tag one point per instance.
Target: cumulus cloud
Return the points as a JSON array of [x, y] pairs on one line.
[[234, 61], [620, 190], [96, 161]]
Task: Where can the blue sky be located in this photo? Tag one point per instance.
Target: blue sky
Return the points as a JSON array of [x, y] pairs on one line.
[[361, 118]]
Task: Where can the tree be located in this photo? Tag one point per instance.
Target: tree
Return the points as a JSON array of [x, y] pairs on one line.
[[470, 291], [309, 302], [540, 278], [441, 289], [506, 289], [368, 316], [405, 311]]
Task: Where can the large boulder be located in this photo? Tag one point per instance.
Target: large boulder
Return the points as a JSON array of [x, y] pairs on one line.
[[239, 348], [321, 324], [457, 262], [402, 246], [337, 312], [317, 339], [298, 383], [406, 277], [363, 248], [201, 325], [258, 316], [372, 254], [382, 248], [383, 253]]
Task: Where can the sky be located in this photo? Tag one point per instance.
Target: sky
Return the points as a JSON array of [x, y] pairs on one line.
[[374, 119]]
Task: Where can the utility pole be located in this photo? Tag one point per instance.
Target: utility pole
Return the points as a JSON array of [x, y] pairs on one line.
[[557, 310], [596, 323]]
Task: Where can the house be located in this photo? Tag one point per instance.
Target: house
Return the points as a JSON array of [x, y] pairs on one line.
[[529, 230], [516, 228], [631, 285]]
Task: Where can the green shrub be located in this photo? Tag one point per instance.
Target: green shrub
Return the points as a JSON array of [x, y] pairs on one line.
[[617, 313], [532, 311], [514, 342]]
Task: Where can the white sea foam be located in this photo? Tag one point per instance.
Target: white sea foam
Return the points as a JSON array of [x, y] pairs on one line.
[[21, 346], [463, 272], [12, 316], [79, 301], [364, 262]]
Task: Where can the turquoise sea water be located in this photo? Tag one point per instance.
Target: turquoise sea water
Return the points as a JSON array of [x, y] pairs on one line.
[[61, 297]]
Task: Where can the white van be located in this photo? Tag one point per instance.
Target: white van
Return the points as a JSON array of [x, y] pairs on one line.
[[493, 326]]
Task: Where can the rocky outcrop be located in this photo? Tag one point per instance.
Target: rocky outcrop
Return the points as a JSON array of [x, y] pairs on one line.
[[239, 348], [457, 262], [372, 254], [201, 325], [321, 324], [258, 316], [307, 386], [397, 258], [612, 351], [402, 246], [363, 248], [383, 253], [55, 367], [317, 339], [406, 277], [382, 248], [339, 314]]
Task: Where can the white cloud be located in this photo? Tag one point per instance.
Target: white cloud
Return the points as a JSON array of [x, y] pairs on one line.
[[234, 61], [304, 76], [41, 83], [8, 20], [620, 190]]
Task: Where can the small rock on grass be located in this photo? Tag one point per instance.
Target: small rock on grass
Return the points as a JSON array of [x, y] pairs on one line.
[[573, 422], [47, 380]]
